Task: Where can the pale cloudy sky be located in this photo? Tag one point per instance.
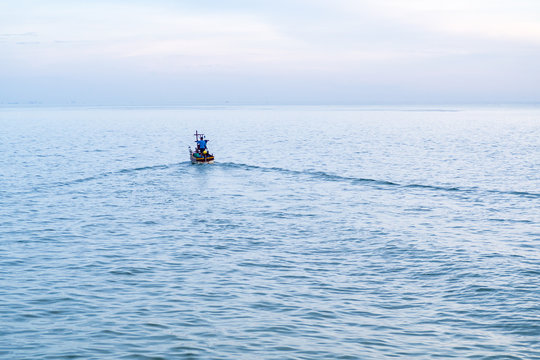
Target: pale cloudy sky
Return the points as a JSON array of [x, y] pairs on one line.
[[165, 52]]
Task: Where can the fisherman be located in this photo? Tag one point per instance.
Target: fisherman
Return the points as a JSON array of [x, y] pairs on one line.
[[201, 144]]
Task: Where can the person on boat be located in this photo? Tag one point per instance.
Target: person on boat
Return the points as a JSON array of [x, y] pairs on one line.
[[201, 144]]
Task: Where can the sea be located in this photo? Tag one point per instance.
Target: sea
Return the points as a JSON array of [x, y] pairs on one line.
[[320, 232]]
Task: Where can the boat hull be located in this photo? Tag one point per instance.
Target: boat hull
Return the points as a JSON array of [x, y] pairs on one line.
[[202, 161], [209, 159]]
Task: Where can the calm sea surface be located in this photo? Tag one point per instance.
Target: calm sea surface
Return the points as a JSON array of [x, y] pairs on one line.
[[319, 233]]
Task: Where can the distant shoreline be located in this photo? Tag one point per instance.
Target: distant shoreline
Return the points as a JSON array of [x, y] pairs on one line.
[[357, 107]]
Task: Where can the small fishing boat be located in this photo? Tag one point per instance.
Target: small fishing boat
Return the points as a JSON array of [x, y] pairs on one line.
[[200, 155]]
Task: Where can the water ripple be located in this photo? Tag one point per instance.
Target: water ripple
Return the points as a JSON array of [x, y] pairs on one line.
[[321, 175], [111, 247]]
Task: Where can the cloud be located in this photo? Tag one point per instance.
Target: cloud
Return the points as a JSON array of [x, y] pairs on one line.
[[18, 35], [325, 45], [325, 35], [152, 35], [489, 19]]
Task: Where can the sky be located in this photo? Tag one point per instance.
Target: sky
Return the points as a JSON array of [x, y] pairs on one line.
[[215, 52]]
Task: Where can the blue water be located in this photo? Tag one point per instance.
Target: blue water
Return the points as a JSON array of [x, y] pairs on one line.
[[319, 233]]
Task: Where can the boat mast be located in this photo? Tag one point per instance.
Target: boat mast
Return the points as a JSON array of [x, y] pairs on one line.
[[197, 135]]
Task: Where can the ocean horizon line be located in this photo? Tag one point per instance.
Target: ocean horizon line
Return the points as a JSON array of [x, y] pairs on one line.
[[367, 106]]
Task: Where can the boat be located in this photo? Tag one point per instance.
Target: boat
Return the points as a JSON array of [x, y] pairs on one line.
[[200, 156]]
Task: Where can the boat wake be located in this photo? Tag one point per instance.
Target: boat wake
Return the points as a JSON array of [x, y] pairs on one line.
[[321, 175], [306, 174], [107, 174]]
